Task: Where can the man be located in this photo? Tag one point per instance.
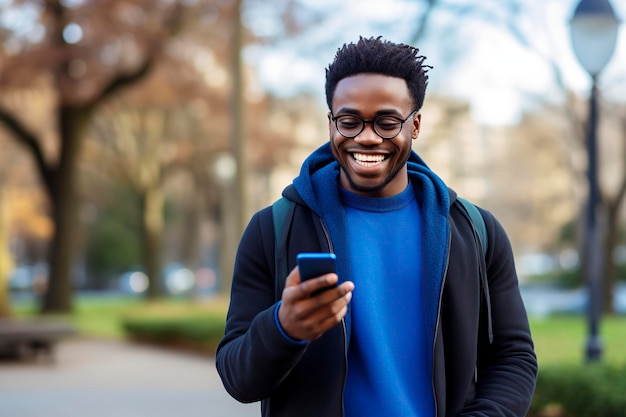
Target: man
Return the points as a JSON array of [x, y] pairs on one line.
[[411, 329]]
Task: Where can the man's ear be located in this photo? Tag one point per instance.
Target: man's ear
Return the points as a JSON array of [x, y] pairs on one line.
[[417, 121]]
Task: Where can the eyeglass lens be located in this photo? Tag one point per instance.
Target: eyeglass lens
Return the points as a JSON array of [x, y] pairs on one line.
[[387, 127]]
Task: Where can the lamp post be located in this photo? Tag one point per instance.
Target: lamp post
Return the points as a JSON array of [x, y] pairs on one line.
[[594, 35]]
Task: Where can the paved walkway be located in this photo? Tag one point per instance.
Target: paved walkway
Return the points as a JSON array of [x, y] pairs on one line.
[[99, 378]]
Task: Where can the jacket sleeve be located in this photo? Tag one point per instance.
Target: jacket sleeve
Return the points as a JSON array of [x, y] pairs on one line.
[[507, 367], [254, 357]]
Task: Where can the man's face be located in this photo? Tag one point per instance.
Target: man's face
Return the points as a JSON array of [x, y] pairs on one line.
[[371, 165]]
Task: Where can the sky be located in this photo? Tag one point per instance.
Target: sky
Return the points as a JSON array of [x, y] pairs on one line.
[[477, 60]]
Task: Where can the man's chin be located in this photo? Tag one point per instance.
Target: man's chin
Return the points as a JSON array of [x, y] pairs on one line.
[[367, 187]]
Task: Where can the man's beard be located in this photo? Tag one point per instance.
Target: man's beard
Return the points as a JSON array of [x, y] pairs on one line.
[[377, 189]]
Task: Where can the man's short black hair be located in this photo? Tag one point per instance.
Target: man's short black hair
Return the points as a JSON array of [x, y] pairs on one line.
[[378, 56]]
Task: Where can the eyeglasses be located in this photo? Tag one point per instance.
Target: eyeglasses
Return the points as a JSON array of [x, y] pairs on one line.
[[385, 126]]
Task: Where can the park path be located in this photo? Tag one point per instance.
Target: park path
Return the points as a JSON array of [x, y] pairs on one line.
[[95, 378]]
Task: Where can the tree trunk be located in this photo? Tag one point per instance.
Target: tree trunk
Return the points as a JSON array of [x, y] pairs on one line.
[[63, 198], [234, 215], [152, 224], [5, 258], [229, 237], [192, 229]]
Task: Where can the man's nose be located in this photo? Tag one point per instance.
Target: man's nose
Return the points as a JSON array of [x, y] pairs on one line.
[[368, 136]]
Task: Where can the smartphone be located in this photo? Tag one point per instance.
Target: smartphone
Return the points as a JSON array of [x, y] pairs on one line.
[[313, 264]]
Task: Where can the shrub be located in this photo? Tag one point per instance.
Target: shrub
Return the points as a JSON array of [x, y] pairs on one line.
[[200, 333], [594, 390]]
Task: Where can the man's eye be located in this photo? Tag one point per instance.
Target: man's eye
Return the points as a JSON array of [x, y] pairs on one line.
[[387, 123], [349, 122]]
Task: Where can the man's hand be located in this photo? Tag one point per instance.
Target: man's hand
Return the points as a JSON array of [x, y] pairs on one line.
[[305, 316]]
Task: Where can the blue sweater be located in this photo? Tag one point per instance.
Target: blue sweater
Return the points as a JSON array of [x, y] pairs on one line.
[[389, 373]]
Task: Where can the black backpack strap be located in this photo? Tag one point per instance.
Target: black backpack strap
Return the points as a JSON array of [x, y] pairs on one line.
[[480, 231], [282, 215], [478, 223]]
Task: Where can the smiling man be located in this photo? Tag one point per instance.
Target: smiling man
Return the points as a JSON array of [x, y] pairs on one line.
[[420, 321]]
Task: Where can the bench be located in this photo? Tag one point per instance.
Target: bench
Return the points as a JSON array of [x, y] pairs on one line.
[[21, 338]]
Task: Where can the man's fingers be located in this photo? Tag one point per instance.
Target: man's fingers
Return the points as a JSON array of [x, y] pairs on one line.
[[311, 286], [305, 316], [308, 287], [293, 279], [326, 318]]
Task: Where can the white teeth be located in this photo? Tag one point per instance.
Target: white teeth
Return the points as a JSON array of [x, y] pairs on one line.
[[360, 157]]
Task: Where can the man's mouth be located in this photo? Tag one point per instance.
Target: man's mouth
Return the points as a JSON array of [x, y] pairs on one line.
[[368, 160]]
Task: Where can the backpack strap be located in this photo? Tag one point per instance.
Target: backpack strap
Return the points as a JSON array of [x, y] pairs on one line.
[[282, 214], [478, 223], [480, 230]]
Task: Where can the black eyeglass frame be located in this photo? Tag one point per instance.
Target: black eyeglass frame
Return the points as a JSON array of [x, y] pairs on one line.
[[372, 121]]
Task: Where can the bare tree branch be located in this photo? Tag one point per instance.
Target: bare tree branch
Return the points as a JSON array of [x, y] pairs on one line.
[[423, 22], [121, 81], [29, 140]]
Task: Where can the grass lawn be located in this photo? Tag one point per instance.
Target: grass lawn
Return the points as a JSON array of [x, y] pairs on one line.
[[562, 339]]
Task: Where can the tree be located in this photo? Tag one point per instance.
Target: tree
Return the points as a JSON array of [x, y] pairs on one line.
[[173, 126], [89, 52], [142, 143]]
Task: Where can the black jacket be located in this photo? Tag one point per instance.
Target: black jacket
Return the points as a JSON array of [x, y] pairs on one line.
[[483, 358]]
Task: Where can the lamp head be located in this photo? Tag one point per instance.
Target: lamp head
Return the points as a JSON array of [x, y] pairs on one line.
[[594, 29]]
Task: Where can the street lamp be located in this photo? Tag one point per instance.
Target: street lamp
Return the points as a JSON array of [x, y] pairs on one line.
[[594, 35]]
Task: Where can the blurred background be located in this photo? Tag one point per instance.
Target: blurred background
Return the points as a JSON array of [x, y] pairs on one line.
[[138, 137]]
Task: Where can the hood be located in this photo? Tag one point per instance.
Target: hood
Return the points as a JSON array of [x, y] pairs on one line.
[[317, 181]]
